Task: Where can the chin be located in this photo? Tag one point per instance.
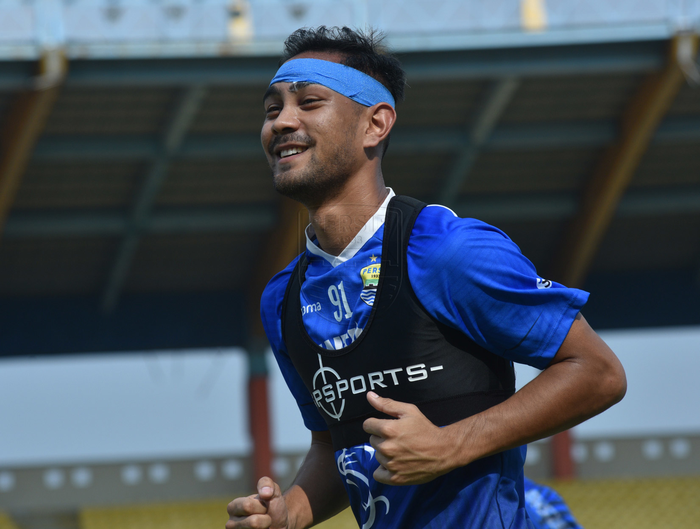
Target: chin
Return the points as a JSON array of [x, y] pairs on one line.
[[298, 191], [315, 182]]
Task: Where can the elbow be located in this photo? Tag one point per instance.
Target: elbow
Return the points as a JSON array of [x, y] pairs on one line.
[[614, 384], [621, 386]]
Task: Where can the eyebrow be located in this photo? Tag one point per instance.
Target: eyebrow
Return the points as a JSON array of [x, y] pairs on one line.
[[271, 91], [298, 85], [293, 87]]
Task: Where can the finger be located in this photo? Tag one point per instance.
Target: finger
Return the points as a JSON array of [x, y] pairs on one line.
[[375, 427], [390, 407], [375, 441], [383, 460], [382, 475], [246, 506], [256, 521], [268, 489]]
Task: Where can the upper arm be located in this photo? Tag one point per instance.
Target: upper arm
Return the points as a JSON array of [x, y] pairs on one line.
[[321, 437], [271, 314], [472, 277], [589, 354]]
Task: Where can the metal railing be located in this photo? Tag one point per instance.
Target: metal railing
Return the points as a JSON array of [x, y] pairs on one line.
[[191, 28]]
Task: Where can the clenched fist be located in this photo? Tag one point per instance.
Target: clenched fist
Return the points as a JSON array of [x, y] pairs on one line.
[[409, 448], [264, 510]]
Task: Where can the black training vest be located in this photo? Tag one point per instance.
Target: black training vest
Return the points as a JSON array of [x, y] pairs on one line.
[[403, 353]]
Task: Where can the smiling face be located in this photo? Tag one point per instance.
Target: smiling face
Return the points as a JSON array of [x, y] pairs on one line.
[[311, 137]]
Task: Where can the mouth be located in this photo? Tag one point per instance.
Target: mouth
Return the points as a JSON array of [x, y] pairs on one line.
[[288, 153]]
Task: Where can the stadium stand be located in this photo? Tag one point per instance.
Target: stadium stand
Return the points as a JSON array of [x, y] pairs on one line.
[[135, 182]]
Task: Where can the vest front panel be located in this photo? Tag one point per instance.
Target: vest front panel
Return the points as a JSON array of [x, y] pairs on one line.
[[403, 353]]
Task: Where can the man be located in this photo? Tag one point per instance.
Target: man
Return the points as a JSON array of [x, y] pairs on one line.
[[546, 508], [396, 330]]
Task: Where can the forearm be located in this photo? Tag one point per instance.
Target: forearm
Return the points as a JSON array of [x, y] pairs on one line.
[[527, 416], [584, 379], [317, 492]]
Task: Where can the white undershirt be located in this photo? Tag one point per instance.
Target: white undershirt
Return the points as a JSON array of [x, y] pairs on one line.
[[366, 233]]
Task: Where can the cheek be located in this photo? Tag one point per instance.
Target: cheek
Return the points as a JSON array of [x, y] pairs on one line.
[[331, 120], [265, 136], [335, 131]]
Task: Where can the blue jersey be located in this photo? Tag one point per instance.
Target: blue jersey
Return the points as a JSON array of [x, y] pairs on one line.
[[546, 508], [467, 275]]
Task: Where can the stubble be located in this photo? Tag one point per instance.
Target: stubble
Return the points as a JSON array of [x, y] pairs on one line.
[[322, 178]]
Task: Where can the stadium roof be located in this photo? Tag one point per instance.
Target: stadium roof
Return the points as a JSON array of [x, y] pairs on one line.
[[139, 212]]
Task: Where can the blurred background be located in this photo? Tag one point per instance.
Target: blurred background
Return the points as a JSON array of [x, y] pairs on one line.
[[138, 226]]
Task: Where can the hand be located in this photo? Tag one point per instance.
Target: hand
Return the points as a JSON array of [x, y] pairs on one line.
[[264, 510], [410, 449]]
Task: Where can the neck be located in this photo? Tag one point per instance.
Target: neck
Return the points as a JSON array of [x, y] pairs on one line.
[[337, 221]]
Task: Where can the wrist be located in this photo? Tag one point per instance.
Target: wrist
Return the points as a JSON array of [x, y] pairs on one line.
[[294, 520], [460, 447]]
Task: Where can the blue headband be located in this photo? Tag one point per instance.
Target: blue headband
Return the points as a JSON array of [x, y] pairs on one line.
[[347, 81]]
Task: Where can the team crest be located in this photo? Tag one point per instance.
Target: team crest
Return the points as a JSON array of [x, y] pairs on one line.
[[370, 281]]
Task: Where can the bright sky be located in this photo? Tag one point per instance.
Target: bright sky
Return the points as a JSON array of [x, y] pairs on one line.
[[192, 404]]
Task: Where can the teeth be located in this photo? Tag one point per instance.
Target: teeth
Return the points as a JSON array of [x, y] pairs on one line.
[[289, 152]]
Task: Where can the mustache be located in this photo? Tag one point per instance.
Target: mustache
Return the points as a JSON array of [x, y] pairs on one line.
[[293, 138]]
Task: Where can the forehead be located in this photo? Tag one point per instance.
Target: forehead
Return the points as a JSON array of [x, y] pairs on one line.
[[279, 88]]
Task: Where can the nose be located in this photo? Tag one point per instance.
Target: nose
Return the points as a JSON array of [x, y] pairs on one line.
[[286, 121]]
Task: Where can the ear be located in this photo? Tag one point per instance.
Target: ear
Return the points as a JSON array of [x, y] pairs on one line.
[[382, 117]]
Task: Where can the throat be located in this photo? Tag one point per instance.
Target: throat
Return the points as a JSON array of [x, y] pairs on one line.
[[343, 235]]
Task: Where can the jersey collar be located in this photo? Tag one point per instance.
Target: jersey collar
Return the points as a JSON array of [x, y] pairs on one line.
[[366, 233]]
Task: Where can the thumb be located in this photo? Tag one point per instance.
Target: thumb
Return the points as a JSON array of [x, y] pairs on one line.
[[271, 497], [268, 489], [390, 407]]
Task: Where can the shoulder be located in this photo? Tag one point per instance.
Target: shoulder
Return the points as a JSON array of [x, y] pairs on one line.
[[271, 314], [471, 276], [452, 256], [278, 284], [440, 222], [448, 240], [272, 297]]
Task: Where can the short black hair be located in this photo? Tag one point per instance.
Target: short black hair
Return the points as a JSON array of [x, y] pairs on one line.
[[363, 51]]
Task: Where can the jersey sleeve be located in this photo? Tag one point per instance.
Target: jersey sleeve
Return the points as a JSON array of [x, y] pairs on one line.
[[471, 276], [271, 314]]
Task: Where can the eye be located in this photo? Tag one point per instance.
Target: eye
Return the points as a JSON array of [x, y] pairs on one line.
[[309, 101], [272, 110]]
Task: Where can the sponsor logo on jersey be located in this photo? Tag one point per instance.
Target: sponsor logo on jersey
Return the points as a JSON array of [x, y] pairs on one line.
[[543, 283], [370, 281], [308, 309], [331, 388]]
